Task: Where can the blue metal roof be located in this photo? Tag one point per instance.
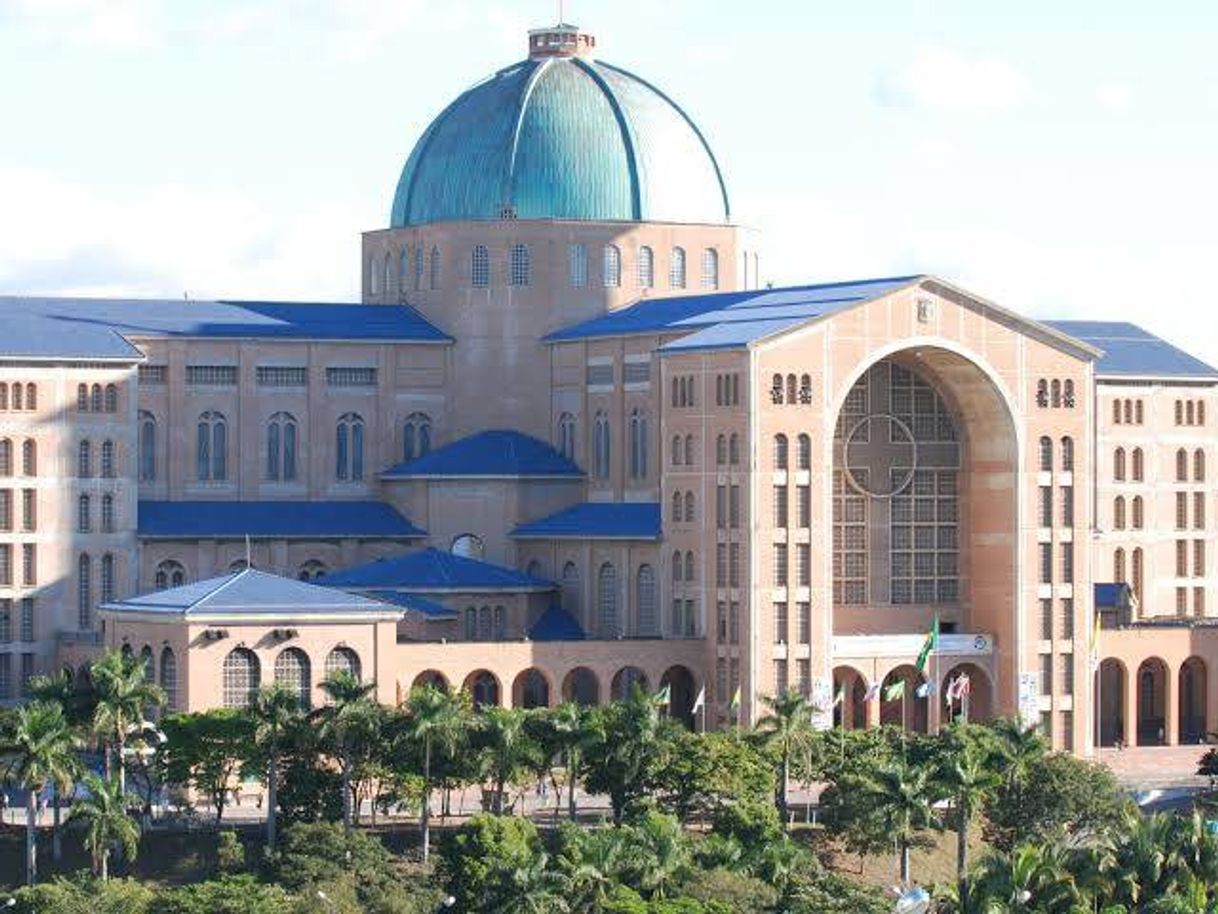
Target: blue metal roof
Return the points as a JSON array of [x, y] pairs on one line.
[[730, 319], [561, 138], [251, 592], [431, 570], [1112, 596], [556, 624], [95, 328], [597, 520], [492, 453], [1133, 352], [273, 520], [412, 601]]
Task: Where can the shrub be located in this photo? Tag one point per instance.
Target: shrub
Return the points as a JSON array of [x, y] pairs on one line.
[[227, 895], [483, 854], [736, 893], [84, 895], [230, 852]]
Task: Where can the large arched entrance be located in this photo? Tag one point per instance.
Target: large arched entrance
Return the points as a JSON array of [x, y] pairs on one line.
[[531, 689], [1193, 683], [432, 678], [1110, 703], [851, 711], [1152, 702], [908, 710], [581, 687], [680, 683], [625, 680], [483, 687], [966, 694]]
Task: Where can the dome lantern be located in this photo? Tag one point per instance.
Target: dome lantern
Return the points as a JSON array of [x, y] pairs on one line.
[[562, 40]]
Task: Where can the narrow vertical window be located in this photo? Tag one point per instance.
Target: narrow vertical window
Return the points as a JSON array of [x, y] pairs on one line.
[[518, 273], [710, 269], [479, 267], [676, 269], [646, 268], [612, 266]]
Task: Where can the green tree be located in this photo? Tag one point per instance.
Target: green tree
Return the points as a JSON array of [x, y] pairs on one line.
[[627, 749], [900, 797], [276, 712], [485, 855], [102, 815], [505, 749], [788, 728], [124, 695], [569, 723], [40, 750], [241, 894], [84, 894], [594, 861], [76, 699], [433, 719], [206, 750], [660, 854], [706, 771], [968, 774], [347, 723]]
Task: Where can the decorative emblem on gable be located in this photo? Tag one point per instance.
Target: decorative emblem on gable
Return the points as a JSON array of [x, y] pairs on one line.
[[926, 310]]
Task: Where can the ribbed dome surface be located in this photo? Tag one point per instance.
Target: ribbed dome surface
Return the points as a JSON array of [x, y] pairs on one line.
[[561, 138]]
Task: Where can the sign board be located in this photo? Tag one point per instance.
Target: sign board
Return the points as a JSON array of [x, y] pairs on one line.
[[1029, 698], [822, 703]]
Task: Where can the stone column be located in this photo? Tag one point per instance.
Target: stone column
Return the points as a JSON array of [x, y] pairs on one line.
[[1171, 706]]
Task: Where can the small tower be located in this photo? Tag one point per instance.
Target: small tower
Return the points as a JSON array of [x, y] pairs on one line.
[[562, 40]]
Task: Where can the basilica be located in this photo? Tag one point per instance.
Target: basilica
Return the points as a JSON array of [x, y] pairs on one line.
[[570, 442]]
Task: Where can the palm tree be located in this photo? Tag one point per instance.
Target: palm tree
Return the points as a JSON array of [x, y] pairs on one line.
[[433, 718], [124, 696], [42, 751], [506, 748], [1020, 746], [76, 702], [789, 727], [1032, 878], [345, 722], [103, 814], [593, 861], [276, 710], [569, 722], [902, 796], [970, 778]]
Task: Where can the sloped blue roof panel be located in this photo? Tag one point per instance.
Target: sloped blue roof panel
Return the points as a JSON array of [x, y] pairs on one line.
[[556, 624], [690, 312], [1111, 596], [494, 453], [273, 520], [597, 520], [1133, 352], [414, 602], [733, 335], [431, 570], [94, 328]]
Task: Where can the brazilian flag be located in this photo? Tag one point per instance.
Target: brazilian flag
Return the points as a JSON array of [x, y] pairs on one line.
[[929, 646]]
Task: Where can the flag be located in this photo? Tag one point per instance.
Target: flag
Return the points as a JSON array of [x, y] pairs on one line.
[[872, 691], [925, 689], [931, 644], [895, 691], [839, 697], [734, 705], [664, 696], [700, 701], [1095, 643], [963, 685]]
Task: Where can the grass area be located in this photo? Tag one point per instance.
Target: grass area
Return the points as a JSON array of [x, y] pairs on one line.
[[932, 860]]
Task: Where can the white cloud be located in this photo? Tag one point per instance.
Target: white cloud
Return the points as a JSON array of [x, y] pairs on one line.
[[1116, 98], [939, 79], [101, 24]]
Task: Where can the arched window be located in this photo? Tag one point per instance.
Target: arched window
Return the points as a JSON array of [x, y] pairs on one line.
[[1068, 454], [242, 677], [677, 503], [676, 269], [486, 625], [374, 276], [571, 593], [31, 396], [608, 618], [1118, 464], [710, 269], [404, 268], [676, 452], [84, 592], [780, 452], [689, 450], [84, 460], [1128, 408], [84, 514], [1198, 465], [1046, 453], [1136, 575], [147, 446], [638, 444], [1139, 413], [689, 507], [733, 449], [3, 396], [678, 567], [480, 267], [82, 398], [1118, 566], [107, 578], [418, 266], [721, 450], [433, 268], [1190, 412], [6, 457], [343, 659], [791, 395], [518, 262], [1042, 393], [281, 447], [1055, 395], [468, 546], [647, 267], [1179, 412], [416, 436], [96, 398], [601, 451], [1068, 394], [805, 389], [500, 624], [169, 679], [29, 457], [1181, 465], [311, 570], [1116, 412], [169, 574], [1200, 412], [803, 452], [111, 398], [292, 672], [471, 623], [349, 449], [1118, 513], [18, 400], [645, 600], [107, 513], [566, 435], [690, 577], [107, 459], [211, 450], [577, 265], [1139, 469], [613, 266], [1137, 512]]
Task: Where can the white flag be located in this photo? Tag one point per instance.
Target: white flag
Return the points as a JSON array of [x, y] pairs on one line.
[[700, 701], [872, 692]]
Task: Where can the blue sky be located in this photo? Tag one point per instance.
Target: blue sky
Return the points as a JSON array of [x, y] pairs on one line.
[[1060, 163]]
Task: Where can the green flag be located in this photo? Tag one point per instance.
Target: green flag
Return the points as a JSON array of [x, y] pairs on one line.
[[664, 696], [931, 644], [895, 691]]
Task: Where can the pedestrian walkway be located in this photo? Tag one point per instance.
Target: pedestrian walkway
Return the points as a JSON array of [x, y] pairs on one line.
[[1155, 766]]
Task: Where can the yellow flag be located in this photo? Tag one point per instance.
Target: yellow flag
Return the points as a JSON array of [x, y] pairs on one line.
[[735, 703]]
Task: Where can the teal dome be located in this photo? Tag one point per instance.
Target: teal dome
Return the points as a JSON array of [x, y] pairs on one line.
[[561, 138]]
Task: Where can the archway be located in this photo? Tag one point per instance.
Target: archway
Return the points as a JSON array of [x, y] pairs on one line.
[[851, 711], [971, 693], [581, 686], [430, 678], [1110, 702], [682, 692], [483, 687], [1193, 705], [1152, 702], [531, 689], [624, 681], [910, 711]]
